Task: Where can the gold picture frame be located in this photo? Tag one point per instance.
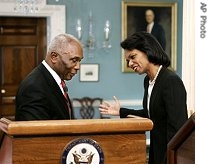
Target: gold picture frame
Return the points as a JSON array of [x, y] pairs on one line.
[[133, 18]]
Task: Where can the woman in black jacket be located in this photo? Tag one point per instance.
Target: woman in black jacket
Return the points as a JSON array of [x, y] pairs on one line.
[[164, 99]]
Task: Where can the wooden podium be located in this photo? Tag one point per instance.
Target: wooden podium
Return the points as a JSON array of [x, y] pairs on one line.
[[181, 148], [45, 142]]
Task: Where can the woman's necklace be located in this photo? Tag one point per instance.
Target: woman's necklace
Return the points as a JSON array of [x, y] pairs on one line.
[[153, 81]]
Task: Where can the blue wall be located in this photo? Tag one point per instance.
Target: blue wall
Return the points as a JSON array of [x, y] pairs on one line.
[[112, 81]]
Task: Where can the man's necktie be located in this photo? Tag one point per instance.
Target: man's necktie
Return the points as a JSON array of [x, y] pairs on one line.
[[65, 89]]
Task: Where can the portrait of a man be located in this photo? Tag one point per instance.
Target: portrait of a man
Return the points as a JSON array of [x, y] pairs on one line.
[[155, 28], [159, 19], [154, 20]]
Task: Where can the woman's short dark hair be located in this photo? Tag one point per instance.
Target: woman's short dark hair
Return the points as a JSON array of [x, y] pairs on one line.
[[148, 44]]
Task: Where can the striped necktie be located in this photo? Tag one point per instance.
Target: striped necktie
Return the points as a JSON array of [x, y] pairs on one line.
[[65, 89]]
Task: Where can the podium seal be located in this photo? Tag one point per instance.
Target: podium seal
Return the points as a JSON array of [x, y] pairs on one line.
[[82, 151]]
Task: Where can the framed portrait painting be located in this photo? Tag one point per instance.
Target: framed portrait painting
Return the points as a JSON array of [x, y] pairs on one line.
[[89, 72], [134, 18]]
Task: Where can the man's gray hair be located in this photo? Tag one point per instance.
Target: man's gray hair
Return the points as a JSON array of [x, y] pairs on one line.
[[60, 42]]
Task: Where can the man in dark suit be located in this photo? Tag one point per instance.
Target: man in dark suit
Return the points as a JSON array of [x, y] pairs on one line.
[[40, 95], [154, 28]]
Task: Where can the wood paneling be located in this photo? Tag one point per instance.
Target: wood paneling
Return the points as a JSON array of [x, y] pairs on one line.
[[43, 142], [181, 148]]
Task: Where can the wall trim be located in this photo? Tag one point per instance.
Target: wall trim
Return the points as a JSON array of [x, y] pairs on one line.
[[131, 103], [55, 14], [188, 53]]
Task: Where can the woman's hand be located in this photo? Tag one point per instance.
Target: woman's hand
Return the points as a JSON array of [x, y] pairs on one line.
[[110, 109]]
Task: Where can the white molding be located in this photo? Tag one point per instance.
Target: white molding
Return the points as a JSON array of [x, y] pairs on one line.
[[188, 53], [55, 14], [130, 103], [134, 102]]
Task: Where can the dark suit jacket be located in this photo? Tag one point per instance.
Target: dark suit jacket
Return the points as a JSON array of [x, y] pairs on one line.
[[40, 98], [159, 34], [168, 111]]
